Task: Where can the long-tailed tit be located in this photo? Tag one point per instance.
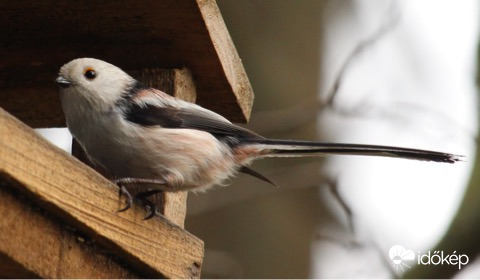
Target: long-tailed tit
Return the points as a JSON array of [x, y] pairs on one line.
[[144, 136]]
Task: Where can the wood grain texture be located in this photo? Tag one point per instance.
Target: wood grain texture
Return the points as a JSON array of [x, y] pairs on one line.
[[38, 37], [88, 202], [34, 244]]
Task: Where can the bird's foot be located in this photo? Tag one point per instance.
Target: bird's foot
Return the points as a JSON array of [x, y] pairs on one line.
[[141, 197]]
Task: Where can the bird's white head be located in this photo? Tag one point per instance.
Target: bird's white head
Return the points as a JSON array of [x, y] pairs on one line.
[[92, 82]]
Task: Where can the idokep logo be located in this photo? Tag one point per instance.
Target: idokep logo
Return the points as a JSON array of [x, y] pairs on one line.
[[403, 258]]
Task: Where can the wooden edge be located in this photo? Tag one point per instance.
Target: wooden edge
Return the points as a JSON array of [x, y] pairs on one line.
[[87, 201], [34, 244], [11, 269], [227, 53]]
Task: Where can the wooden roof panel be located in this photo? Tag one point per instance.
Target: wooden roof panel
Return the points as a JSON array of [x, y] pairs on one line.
[[40, 36]]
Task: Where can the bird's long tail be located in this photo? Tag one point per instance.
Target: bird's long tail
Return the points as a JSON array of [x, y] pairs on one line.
[[286, 148]]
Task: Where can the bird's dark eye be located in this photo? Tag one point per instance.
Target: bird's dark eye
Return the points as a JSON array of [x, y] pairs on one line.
[[90, 74]]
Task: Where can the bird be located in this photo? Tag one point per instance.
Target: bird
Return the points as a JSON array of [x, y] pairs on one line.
[[143, 136]]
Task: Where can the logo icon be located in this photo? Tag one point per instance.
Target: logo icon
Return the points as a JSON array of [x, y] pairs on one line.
[[399, 256]]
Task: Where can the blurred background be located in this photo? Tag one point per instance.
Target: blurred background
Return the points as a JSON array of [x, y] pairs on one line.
[[405, 74], [381, 72]]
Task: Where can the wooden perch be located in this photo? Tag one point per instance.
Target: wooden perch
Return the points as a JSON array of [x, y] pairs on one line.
[[58, 182], [35, 245]]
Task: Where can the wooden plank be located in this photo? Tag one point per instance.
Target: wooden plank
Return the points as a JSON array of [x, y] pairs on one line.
[[39, 36], [228, 55], [88, 202], [35, 244], [11, 269]]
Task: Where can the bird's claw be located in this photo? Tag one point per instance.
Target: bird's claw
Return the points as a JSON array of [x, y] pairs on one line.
[[150, 207], [128, 198]]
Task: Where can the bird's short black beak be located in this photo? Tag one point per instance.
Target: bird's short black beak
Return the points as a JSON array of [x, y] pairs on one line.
[[63, 82]]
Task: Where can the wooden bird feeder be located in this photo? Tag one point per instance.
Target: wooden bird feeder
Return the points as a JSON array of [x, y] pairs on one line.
[[58, 216]]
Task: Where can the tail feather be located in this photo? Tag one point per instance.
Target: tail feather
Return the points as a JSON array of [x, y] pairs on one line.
[[279, 148], [255, 174]]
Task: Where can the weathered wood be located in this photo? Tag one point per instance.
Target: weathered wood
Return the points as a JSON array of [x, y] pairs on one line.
[[37, 245], [11, 269], [88, 202], [39, 36], [176, 82]]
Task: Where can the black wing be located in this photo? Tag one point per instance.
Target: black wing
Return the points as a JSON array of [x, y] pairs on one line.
[[191, 118]]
